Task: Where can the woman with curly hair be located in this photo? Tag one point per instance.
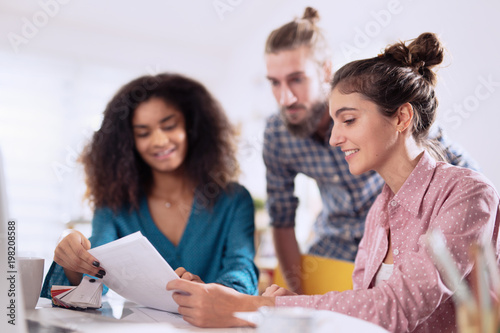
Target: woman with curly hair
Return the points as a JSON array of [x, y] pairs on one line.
[[163, 163]]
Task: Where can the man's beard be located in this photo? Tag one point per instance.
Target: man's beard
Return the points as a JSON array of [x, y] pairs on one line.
[[310, 124]]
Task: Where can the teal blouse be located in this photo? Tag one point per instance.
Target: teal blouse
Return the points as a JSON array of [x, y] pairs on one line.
[[217, 243]]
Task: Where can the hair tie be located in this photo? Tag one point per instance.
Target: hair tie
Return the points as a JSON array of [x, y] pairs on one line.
[[420, 67]]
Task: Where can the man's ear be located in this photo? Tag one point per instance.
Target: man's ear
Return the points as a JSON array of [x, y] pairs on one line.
[[404, 116], [327, 71]]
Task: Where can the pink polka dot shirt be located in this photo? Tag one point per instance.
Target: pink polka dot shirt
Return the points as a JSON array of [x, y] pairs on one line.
[[461, 203]]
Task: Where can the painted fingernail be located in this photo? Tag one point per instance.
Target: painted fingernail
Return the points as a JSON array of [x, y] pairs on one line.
[[99, 276], [101, 272], [96, 263]]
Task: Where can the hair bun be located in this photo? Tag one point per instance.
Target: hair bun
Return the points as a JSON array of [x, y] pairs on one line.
[[428, 49], [311, 15], [422, 54]]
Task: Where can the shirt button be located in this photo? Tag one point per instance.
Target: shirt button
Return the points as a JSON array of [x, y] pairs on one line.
[[336, 178], [393, 203], [396, 252]]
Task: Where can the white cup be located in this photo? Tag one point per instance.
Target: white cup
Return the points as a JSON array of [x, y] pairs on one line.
[[30, 271], [287, 320], [281, 320]]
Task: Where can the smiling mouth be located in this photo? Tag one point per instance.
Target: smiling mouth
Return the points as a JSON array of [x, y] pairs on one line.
[[164, 152], [350, 152]]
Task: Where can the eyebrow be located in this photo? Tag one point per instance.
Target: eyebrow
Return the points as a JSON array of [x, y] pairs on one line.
[[339, 111], [288, 76], [295, 73], [167, 118]]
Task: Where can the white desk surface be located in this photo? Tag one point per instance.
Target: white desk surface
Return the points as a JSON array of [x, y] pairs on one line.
[[116, 315], [119, 315]]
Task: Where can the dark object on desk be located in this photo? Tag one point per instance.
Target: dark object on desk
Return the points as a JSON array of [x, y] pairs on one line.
[[37, 327]]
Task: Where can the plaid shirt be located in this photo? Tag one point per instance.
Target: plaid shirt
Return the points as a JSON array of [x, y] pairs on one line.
[[346, 198]]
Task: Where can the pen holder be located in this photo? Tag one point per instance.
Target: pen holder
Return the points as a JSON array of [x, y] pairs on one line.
[[470, 320], [467, 319]]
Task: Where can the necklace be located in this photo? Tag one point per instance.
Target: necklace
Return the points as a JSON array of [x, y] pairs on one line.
[[176, 199], [171, 202]]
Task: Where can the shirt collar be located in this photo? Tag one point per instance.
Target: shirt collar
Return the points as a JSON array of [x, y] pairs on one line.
[[411, 194]]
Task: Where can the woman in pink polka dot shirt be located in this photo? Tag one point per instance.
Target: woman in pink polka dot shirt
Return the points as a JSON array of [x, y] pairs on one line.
[[382, 109]]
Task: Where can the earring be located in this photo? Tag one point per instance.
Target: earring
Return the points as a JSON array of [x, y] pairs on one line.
[[399, 130]]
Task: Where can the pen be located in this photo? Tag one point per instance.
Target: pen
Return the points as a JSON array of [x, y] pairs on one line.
[[481, 287]]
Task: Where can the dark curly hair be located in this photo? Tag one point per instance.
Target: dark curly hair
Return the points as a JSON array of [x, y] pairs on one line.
[[116, 175]]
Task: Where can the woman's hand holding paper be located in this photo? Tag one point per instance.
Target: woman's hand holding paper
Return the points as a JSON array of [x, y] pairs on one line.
[[185, 275], [275, 290], [72, 254], [213, 305]]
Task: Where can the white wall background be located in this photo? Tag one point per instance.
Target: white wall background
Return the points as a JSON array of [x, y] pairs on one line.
[[61, 61]]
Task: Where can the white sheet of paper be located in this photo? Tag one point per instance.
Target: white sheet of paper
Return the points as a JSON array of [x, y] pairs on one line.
[[136, 271]]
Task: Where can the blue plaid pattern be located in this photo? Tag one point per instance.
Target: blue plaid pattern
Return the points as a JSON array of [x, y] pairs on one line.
[[346, 198]]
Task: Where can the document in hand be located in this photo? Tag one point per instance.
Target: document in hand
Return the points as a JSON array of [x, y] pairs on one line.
[[136, 271]]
